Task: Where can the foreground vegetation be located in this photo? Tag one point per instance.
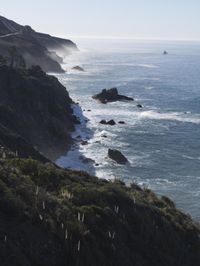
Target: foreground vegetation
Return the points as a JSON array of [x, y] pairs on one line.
[[50, 216]]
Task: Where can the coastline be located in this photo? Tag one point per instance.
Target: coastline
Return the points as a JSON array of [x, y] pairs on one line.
[[74, 158]]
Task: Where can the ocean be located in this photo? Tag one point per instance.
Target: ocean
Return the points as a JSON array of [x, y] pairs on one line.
[[161, 140]]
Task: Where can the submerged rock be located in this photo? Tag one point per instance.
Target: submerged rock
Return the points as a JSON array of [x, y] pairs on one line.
[[86, 160], [117, 156], [110, 95], [139, 105], [121, 122], [165, 52]]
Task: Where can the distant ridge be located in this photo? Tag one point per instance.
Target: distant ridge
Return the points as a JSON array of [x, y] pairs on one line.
[[36, 48]]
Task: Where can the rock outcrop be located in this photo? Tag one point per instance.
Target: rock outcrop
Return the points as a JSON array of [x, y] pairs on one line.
[[111, 95], [35, 113], [117, 156]]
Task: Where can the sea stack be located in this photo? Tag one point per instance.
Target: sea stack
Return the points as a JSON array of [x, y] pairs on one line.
[[111, 95]]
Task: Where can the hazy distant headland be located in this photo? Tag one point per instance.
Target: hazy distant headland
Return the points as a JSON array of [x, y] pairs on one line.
[[36, 48]]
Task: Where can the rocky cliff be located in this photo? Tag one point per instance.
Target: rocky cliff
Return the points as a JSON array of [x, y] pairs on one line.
[[35, 113], [36, 48]]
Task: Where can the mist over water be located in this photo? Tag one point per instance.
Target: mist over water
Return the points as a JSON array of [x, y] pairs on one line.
[[160, 140]]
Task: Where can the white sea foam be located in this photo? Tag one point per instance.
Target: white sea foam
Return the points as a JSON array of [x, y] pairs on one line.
[[176, 116], [149, 87]]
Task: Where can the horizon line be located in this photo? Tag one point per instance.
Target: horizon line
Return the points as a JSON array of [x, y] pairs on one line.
[[123, 38]]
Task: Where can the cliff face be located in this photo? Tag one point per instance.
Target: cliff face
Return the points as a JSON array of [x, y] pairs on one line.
[[55, 217], [36, 48], [35, 109]]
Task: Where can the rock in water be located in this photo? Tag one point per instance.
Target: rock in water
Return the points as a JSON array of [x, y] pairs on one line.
[[110, 95], [78, 68], [111, 122], [103, 122], [117, 156]]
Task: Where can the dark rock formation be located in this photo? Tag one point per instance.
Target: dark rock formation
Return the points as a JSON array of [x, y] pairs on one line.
[[117, 156], [78, 68], [121, 122], [36, 48], [110, 122], [139, 105], [111, 95], [86, 221], [103, 122], [35, 113]]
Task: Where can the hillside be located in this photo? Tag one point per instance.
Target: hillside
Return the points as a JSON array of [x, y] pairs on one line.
[[36, 48], [51, 217]]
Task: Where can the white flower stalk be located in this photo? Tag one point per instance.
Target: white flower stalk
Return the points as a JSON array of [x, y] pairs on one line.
[[79, 245]]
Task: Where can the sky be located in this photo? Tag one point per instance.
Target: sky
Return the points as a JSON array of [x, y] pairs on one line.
[[137, 19]]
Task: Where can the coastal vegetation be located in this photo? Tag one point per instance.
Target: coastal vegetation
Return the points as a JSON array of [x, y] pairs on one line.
[[53, 216]]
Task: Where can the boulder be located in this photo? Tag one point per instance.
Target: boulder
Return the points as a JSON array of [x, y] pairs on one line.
[[121, 122], [103, 122], [139, 105], [117, 156], [111, 95], [78, 68], [111, 122]]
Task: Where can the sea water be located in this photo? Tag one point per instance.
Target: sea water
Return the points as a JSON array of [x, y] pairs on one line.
[[160, 140]]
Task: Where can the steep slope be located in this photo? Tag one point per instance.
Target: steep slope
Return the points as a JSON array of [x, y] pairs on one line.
[[37, 109], [54, 217], [8, 26], [36, 48]]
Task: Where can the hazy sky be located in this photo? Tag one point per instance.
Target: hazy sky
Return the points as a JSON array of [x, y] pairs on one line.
[[146, 19]]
